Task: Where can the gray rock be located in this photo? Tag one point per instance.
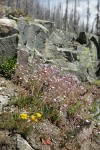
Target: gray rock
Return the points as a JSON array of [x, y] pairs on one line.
[[70, 54], [22, 144], [8, 38], [8, 27], [61, 38], [32, 35], [89, 138], [82, 39], [8, 47], [7, 30], [3, 101], [50, 26]]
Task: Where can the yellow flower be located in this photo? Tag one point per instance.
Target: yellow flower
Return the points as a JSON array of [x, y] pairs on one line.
[[38, 115], [34, 118], [24, 116]]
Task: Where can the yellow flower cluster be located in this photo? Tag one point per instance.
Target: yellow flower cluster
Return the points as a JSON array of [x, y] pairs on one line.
[[38, 115], [24, 116], [34, 118]]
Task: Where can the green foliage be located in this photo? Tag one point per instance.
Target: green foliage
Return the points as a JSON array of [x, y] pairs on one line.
[[7, 68], [29, 102], [7, 121], [74, 108], [35, 104], [95, 110], [50, 112], [11, 121], [94, 107]]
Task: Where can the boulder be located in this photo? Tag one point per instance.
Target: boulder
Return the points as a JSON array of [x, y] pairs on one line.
[[22, 144], [32, 39], [8, 27], [33, 33], [82, 39], [8, 38], [96, 41], [9, 23], [8, 47], [86, 38], [61, 38], [50, 26]]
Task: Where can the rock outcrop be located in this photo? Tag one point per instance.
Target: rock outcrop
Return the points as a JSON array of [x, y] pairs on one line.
[[39, 38], [72, 53]]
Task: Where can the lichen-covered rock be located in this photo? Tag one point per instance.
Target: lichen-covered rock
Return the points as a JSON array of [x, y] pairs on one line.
[[88, 62]]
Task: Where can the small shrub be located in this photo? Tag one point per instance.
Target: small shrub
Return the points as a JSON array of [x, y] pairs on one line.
[[51, 112], [13, 122], [8, 121], [74, 108], [7, 68]]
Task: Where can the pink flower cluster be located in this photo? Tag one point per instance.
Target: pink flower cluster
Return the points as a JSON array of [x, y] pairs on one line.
[[56, 84]]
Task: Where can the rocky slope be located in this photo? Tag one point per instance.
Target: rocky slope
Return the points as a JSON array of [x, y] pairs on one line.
[[45, 135], [39, 42]]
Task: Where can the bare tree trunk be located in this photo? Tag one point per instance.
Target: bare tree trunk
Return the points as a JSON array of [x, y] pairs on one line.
[[75, 16], [88, 15], [65, 18], [98, 18]]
